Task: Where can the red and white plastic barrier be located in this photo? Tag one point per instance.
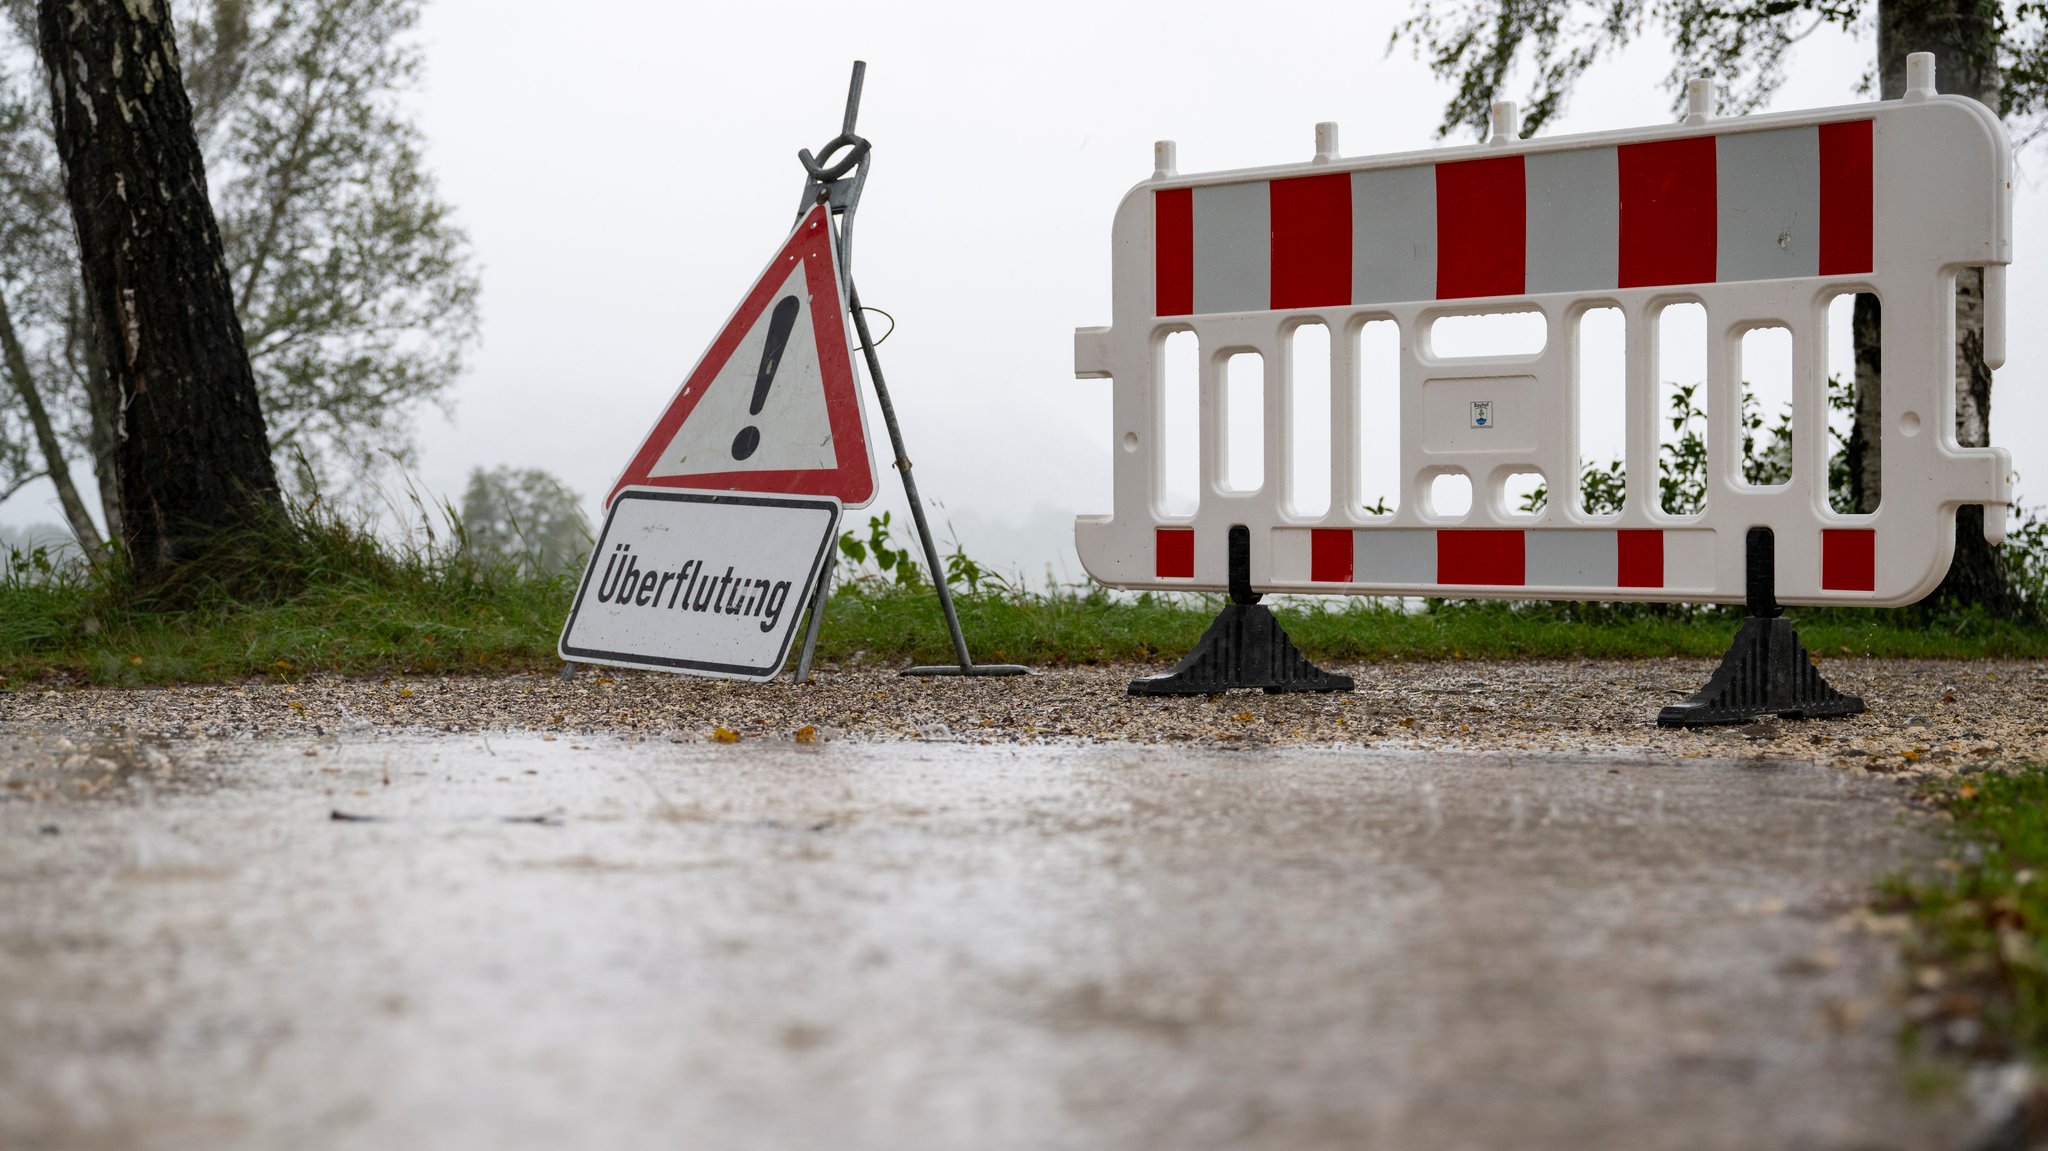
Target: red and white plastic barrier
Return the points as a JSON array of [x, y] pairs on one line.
[[1763, 220]]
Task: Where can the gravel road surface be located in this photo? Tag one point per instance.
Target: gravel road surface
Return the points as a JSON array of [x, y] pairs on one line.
[[1925, 716]]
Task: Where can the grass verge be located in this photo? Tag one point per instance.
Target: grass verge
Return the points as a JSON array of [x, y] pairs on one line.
[[904, 624], [356, 607], [330, 598], [1977, 952], [317, 594]]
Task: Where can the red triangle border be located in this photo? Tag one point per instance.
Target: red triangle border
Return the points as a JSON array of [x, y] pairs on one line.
[[852, 482]]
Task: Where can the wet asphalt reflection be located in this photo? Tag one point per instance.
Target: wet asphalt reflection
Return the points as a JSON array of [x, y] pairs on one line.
[[515, 942]]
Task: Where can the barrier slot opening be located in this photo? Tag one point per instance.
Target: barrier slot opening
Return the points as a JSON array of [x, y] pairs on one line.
[[1308, 394], [1244, 422], [1450, 494], [1377, 377], [1523, 494], [1601, 362], [1520, 333], [1682, 409], [1854, 478], [1766, 369], [1180, 457]]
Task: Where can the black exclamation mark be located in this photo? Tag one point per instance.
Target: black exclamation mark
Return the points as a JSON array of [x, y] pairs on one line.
[[779, 326]]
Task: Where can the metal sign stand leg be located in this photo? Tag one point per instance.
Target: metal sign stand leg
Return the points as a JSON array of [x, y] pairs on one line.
[[802, 671], [831, 183]]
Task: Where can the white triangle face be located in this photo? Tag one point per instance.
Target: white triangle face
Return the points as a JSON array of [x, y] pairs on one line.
[[793, 431]]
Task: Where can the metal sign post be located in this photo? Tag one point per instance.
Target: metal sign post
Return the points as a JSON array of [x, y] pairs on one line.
[[837, 184]]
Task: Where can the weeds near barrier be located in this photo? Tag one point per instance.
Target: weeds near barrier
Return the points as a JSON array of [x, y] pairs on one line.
[[880, 559]]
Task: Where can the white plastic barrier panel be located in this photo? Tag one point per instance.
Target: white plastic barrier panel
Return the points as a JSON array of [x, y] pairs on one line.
[[1764, 221]]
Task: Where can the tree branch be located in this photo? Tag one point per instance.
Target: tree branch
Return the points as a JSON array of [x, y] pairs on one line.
[[56, 467]]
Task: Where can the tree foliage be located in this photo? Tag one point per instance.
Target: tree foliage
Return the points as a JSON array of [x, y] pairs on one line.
[[351, 279], [525, 518], [353, 284], [1490, 49]]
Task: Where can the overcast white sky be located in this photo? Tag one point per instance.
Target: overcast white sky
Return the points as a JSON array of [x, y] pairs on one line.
[[625, 170]]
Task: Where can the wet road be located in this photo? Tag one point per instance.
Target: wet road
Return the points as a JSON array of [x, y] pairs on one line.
[[935, 946]]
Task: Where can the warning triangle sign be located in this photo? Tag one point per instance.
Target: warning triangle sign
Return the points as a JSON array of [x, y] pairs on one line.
[[773, 405]]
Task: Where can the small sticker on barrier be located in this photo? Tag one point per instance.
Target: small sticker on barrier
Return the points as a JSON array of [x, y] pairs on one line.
[[1482, 413]]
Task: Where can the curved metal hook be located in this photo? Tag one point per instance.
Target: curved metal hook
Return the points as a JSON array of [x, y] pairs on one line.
[[816, 165]]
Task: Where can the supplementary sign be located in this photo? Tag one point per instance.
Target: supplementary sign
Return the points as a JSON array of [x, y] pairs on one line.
[[774, 405], [707, 583]]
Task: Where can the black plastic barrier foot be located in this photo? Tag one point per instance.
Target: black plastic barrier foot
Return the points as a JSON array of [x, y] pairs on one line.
[[1766, 670], [1245, 647]]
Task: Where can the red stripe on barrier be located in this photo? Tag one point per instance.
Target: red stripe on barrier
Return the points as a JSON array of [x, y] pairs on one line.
[[1481, 557], [1173, 552], [1173, 245], [1846, 200], [1848, 559], [1639, 558], [1667, 212], [1481, 228], [1329, 555], [1311, 218]]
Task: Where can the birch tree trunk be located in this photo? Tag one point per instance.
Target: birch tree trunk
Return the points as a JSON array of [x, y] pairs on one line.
[[191, 454], [1963, 35]]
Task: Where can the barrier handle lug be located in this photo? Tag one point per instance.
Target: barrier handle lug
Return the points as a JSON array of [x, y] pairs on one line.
[[1760, 589], [1241, 565]]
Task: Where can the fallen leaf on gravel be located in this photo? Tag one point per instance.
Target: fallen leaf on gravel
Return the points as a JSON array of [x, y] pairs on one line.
[[1819, 962], [724, 734], [1843, 1014], [1244, 717], [808, 733]]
